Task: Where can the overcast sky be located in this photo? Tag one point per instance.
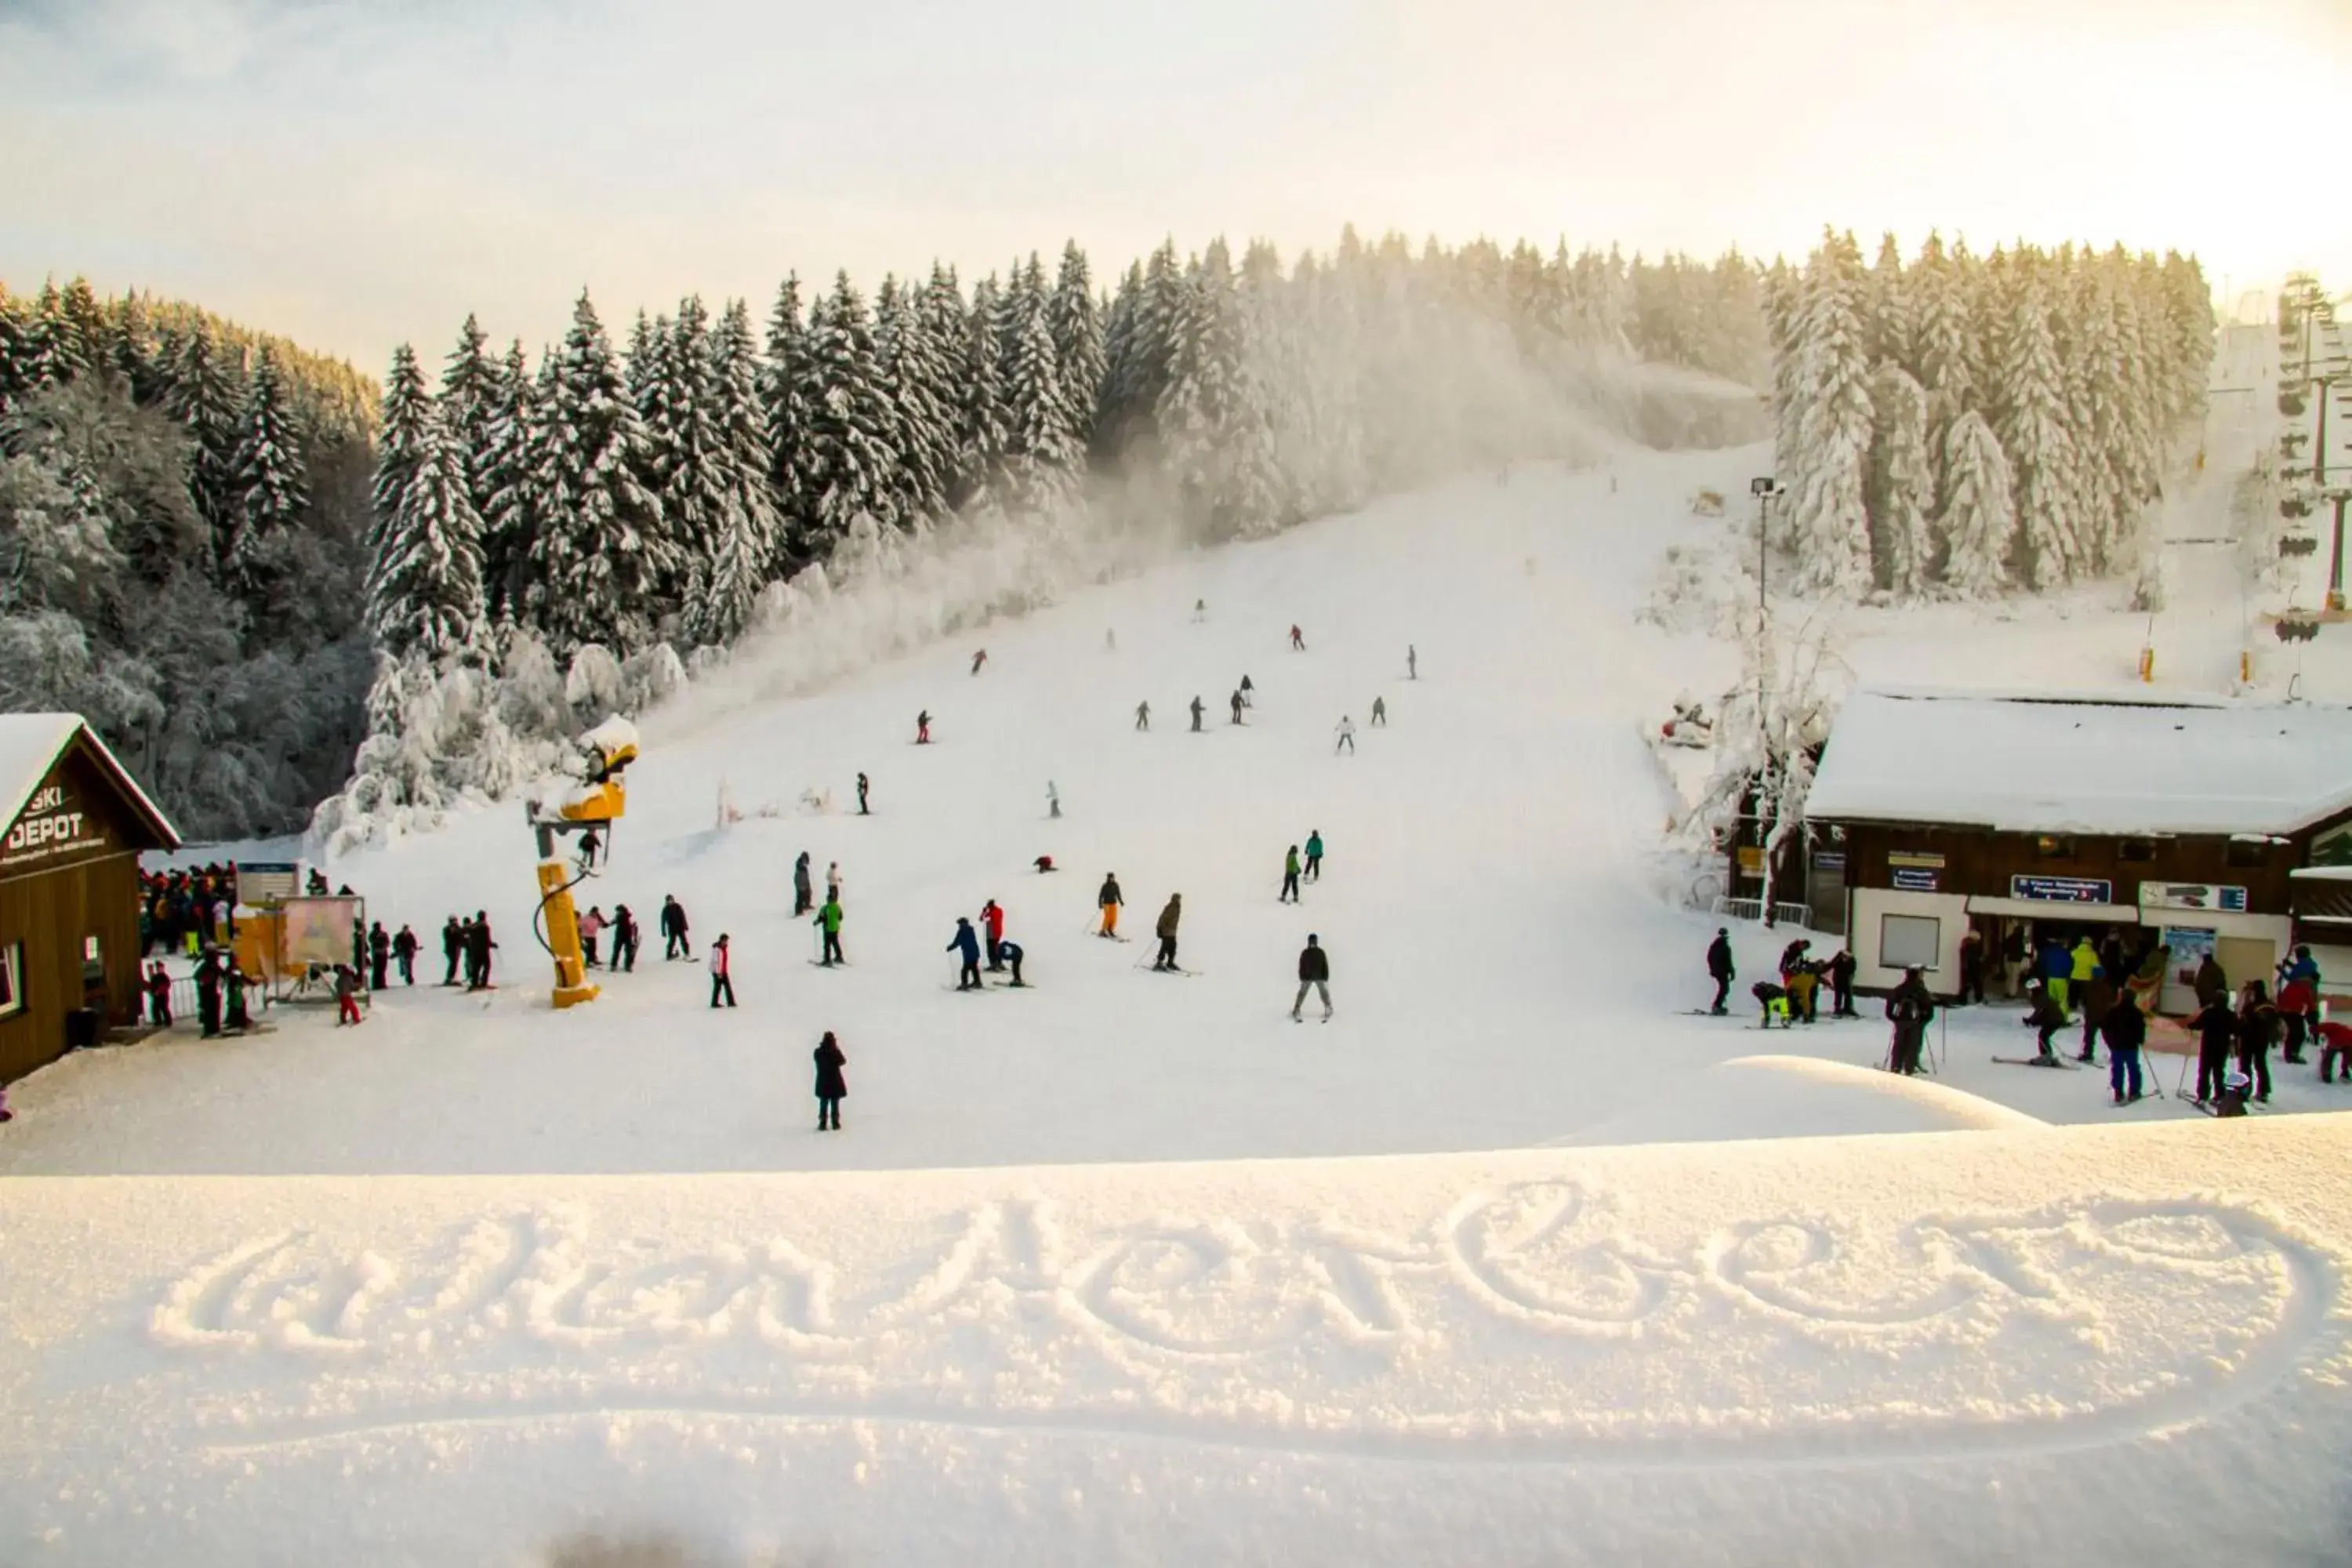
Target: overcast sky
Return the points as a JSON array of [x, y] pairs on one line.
[[353, 172]]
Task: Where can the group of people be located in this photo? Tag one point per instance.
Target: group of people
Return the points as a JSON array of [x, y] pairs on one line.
[[1294, 870], [221, 986], [1795, 997], [466, 944], [989, 940], [183, 910]]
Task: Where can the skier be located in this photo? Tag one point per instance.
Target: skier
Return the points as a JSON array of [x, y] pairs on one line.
[[673, 929], [1314, 969], [2296, 997], [1841, 973], [978, 659], [1380, 713], [833, 881], [404, 953], [722, 978], [2093, 998], [2046, 1016], [828, 920], [1143, 716], [966, 943], [992, 920], [1249, 693], [923, 728], [1412, 663], [1110, 900], [1909, 1007], [1347, 737], [1289, 878], [862, 810], [1053, 800], [478, 947], [466, 949], [1314, 853], [2124, 1030], [2216, 1032], [1200, 610], [1298, 640], [453, 947], [1721, 970], [1238, 706], [832, 1088], [2257, 1028], [379, 955], [592, 926], [159, 995], [1196, 713], [1167, 932], [233, 979], [625, 939], [347, 997], [1011, 953], [208, 994], [803, 896]]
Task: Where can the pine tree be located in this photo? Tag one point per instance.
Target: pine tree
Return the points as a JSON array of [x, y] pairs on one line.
[[981, 435], [1078, 352], [206, 399], [1903, 482], [470, 391], [272, 484], [1832, 454], [847, 460], [508, 479], [595, 554], [747, 523], [1894, 326], [784, 400], [425, 595], [17, 331], [1979, 519], [1947, 341], [400, 429], [917, 386], [1212, 417], [1041, 450], [692, 460], [2030, 388]]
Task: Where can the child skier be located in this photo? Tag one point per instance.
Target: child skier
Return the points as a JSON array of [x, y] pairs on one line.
[[347, 995], [2217, 1031], [1011, 952], [832, 1088], [592, 926], [159, 995], [1289, 878], [2046, 1017]]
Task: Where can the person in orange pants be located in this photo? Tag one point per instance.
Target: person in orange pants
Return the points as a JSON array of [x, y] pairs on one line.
[[1110, 900]]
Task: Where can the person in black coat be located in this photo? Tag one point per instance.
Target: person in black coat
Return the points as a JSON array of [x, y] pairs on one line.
[[1908, 1008], [673, 929], [625, 937], [832, 1088], [1720, 969], [966, 942], [478, 947], [1314, 970], [2125, 1029], [379, 956], [2258, 1028], [2045, 1018], [2217, 1033], [403, 951], [803, 893], [453, 948], [1840, 973]]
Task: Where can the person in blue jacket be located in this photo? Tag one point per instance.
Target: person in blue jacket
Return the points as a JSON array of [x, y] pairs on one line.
[[967, 943]]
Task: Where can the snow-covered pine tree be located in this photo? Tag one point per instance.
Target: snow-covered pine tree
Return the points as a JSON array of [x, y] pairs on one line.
[[846, 457], [206, 397], [980, 436], [1893, 324], [593, 552], [16, 329], [400, 433], [425, 594], [2138, 456], [1115, 402], [507, 476], [912, 381], [1042, 453], [1979, 519], [690, 455], [783, 402], [1076, 322], [1829, 519], [747, 525], [1215, 430], [1944, 333], [272, 482], [1903, 483], [52, 349], [470, 393], [2030, 392]]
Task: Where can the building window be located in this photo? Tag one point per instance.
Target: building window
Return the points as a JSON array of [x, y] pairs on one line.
[[2248, 852], [1910, 941], [2055, 846], [12, 980], [2136, 851]]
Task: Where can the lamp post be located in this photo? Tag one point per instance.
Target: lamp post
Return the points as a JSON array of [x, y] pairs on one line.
[[2326, 383], [1766, 490]]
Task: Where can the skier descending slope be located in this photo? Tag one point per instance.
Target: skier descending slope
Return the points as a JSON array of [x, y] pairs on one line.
[[1110, 900], [1298, 640], [1174, 912], [923, 728], [966, 943], [1412, 663], [1143, 716], [1196, 713], [828, 920], [1314, 969], [862, 787], [1380, 713], [1238, 706], [1314, 853], [1347, 737], [1289, 878]]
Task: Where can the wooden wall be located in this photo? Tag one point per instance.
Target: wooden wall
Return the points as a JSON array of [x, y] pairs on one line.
[[50, 914]]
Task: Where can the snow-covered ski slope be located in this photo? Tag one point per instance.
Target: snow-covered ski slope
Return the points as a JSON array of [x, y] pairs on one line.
[[2121, 1345]]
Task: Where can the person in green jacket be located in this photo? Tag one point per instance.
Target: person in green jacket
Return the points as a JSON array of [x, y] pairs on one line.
[[1315, 855], [1289, 878], [828, 920]]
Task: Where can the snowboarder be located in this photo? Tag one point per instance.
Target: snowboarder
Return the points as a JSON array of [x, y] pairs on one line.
[[722, 978], [1167, 932], [347, 996], [862, 787], [2216, 1032], [2124, 1030], [828, 920], [2257, 1030], [1298, 640], [2045, 1018], [1110, 900], [159, 995], [478, 947], [1380, 713], [453, 948], [673, 929], [1011, 952], [1238, 706], [1347, 736], [404, 953], [1721, 970], [1289, 878], [1412, 663], [1840, 976], [978, 659], [1314, 969], [923, 728], [379, 955], [1314, 853], [1908, 1008], [1196, 713], [625, 939], [1143, 716], [592, 926], [966, 943], [992, 921], [832, 1088], [803, 896], [1053, 800]]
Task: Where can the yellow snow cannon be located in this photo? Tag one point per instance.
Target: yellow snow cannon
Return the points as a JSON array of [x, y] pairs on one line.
[[588, 809]]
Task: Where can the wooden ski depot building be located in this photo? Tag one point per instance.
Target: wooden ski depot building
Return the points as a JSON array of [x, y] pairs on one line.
[[2185, 821], [69, 955]]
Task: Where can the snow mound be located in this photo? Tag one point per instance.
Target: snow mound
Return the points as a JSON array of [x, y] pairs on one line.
[[1799, 1097]]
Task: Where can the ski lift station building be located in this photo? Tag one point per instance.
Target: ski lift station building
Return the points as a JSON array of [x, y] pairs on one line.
[[69, 952], [2212, 826]]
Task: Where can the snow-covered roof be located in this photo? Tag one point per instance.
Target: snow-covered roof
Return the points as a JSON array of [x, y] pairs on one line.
[[30, 744], [2032, 764]]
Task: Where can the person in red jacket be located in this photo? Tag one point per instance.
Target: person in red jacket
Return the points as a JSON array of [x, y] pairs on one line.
[[2296, 998], [992, 919]]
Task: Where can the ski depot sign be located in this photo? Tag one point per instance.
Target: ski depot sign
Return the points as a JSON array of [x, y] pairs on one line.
[[53, 829]]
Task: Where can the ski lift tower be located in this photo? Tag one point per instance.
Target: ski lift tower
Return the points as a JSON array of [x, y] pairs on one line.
[[588, 808]]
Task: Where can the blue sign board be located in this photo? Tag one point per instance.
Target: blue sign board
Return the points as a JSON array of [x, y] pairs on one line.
[[2063, 889], [1909, 880]]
